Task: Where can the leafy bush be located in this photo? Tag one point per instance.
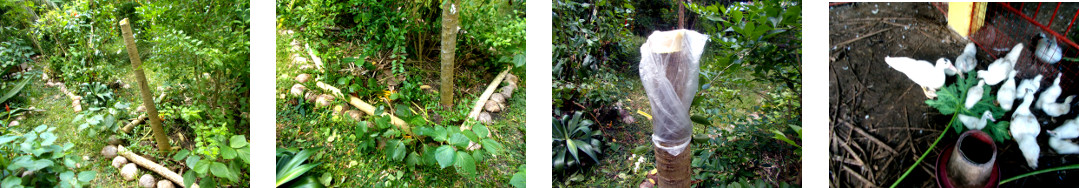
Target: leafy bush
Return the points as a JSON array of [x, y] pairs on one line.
[[495, 27], [101, 120], [591, 36], [235, 158], [575, 135], [34, 159]]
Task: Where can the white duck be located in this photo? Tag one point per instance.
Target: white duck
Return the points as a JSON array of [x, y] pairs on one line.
[[1060, 138], [966, 61], [974, 94], [1047, 50], [1058, 109], [930, 77], [1032, 85], [975, 123], [1050, 94], [1006, 93], [1000, 68], [1025, 129]]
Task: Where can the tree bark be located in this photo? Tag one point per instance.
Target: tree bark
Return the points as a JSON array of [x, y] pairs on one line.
[[147, 98], [449, 44]]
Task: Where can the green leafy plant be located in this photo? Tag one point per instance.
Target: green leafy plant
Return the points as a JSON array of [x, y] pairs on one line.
[[518, 179], [592, 34], [950, 100], [34, 159], [290, 165], [573, 140], [101, 120], [96, 94], [235, 157]]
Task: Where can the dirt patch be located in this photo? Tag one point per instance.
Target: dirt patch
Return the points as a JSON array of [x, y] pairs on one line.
[[879, 122]]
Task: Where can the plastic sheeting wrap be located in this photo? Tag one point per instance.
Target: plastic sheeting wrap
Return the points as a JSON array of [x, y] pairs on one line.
[[669, 68]]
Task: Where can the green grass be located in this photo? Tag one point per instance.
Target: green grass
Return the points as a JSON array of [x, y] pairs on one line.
[[307, 126], [58, 113]]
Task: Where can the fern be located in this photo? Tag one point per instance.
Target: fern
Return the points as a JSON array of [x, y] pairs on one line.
[[950, 100]]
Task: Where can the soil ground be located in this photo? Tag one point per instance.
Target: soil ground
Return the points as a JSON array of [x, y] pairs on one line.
[[879, 122]]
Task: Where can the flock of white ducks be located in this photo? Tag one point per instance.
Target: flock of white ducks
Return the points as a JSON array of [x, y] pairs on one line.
[[1024, 125]]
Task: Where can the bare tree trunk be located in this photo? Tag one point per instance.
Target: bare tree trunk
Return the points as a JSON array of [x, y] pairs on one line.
[[449, 44], [681, 15], [147, 98]]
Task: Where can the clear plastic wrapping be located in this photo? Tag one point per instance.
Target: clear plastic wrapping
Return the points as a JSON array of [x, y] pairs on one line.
[[669, 69]]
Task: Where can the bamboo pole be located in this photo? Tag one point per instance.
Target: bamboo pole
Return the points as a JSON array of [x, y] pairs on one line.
[[147, 98], [150, 165]]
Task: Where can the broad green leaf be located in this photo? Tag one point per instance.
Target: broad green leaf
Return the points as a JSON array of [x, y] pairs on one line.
[[439, 134], [481, 130], [465, 164], [238, 141], [192, 160], [12, 181], [86, 176], [220, 170], [202, 167], [492, 146], [189, 178], [180, 155], [458, 140], [470, 135], [518, 179], [445, 155], [227, 153], [208, 182], [399, 151]]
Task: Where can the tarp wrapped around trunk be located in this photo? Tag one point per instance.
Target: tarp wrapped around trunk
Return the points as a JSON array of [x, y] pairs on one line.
[[669, 69]]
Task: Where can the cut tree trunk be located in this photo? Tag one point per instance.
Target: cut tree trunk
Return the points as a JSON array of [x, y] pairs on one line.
[[365, 107], [147, 97], [150, 165], [483, 97], [449, 44]]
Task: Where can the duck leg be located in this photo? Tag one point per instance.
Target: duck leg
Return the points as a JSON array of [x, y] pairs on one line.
[[929, 93]]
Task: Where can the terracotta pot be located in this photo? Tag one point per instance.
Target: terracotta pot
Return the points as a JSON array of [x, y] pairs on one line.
[[970, 163]]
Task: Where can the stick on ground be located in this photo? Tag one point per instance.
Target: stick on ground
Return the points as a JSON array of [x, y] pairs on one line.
[[150, 165]]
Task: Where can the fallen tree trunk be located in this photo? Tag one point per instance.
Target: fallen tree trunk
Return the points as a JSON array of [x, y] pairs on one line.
[[138, 120], [150, 165], [365, 107], [318, 61], [483, 97]]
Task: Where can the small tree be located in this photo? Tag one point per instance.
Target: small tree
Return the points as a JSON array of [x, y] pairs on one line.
[[450, 9]]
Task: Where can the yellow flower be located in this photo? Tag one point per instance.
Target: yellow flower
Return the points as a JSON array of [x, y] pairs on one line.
[[386, 94]]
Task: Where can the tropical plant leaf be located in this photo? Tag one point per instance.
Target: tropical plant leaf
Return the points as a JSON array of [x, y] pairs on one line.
[[445, 155], [465, 164]]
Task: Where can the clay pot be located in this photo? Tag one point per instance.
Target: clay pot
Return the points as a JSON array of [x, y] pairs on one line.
[[970, 163]]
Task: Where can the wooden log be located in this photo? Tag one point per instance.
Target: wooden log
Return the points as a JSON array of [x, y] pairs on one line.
[[483, 97], [365, 107], [127, 128], [144, 89], [138, 120], [318, 61], [154, 167]]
